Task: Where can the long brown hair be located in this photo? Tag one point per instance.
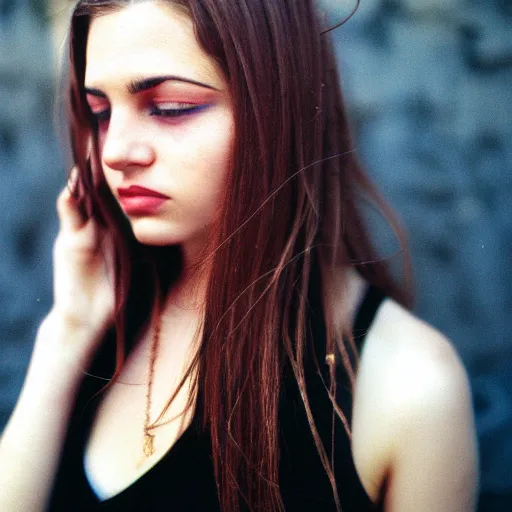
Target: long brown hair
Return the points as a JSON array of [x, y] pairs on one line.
[[293, 200]]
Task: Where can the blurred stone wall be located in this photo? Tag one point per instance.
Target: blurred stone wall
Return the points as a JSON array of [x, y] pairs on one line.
[[429, 88], [30, 173]]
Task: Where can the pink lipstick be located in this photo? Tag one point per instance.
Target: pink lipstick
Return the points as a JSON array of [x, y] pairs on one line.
[[140, 200]]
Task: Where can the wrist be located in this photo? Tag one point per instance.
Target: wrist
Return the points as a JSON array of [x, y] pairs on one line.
[[63, 346], [71, 323]]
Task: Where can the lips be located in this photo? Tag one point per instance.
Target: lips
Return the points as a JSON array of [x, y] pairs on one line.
[[135, 191], [140, 201]]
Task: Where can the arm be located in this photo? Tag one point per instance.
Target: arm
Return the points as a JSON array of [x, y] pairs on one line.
[[414, 429], [31, 443], [435, 464]]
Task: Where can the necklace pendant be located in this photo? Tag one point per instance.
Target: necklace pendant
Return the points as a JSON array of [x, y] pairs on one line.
[[149, 445]]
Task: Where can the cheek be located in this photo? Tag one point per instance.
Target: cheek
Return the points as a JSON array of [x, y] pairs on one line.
[[210, 155]]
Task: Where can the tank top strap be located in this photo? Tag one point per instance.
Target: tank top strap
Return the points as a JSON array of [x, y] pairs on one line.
[[366, 313], [303, 479]]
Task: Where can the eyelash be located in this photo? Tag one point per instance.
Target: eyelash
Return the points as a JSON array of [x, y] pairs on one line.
[[156, 111]]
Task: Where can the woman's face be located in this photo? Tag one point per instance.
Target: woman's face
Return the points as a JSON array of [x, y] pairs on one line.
[[164, 120]]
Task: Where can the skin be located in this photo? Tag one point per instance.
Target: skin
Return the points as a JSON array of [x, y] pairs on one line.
[[413, 428], [185, 155]]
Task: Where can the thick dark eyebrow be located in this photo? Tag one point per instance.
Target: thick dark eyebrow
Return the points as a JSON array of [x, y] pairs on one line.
[[148, 83], [144, 84]]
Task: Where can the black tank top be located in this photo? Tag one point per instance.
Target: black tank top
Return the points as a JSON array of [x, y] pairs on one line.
[[183, 479]]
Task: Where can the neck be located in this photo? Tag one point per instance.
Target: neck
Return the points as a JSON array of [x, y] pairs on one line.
[[187, 293], [190, 288]]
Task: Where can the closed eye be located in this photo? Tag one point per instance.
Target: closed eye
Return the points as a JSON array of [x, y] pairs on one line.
[[169, 110], [175, 109]]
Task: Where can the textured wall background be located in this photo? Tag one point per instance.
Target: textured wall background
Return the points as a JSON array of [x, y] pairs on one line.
[[30, 174], [431, 92], [429, 86]]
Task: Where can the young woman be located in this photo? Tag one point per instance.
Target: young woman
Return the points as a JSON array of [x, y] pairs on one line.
[[223, 335]]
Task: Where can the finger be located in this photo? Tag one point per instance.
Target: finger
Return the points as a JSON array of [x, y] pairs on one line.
[[73, 178], [69, 211]]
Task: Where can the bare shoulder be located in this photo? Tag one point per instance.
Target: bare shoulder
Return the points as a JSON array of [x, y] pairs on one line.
[[402, 349], [413, 425]]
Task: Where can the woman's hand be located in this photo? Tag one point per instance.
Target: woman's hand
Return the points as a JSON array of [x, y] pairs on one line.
[[83, 255]]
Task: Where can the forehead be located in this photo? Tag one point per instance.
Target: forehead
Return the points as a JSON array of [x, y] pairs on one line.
[[145, 39]]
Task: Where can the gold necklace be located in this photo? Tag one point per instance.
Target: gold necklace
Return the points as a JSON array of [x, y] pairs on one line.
[[149, 439], [148, 446]]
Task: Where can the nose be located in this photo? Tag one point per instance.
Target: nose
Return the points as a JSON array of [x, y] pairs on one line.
[[125, 146]]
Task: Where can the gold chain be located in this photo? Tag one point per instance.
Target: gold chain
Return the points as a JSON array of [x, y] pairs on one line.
[[149, 445]]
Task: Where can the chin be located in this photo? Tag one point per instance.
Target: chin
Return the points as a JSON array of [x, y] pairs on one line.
[[156, 239], [162, 236]]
